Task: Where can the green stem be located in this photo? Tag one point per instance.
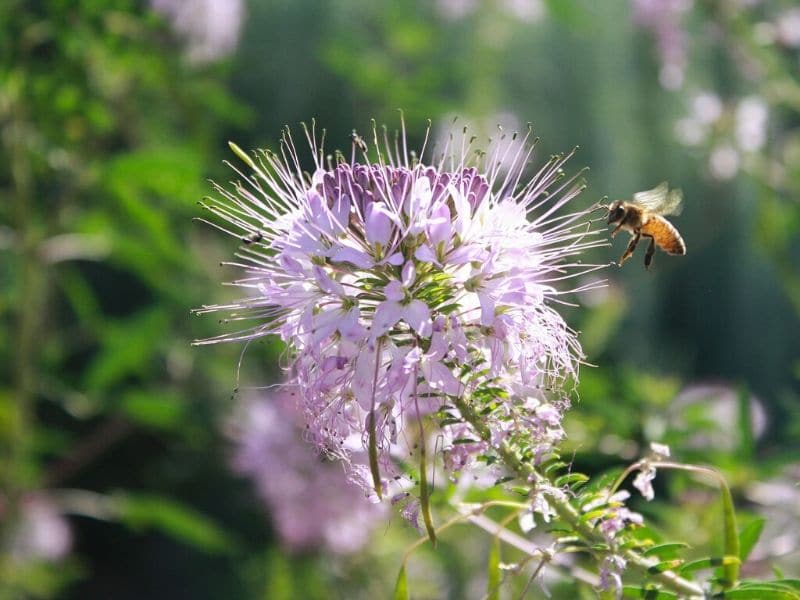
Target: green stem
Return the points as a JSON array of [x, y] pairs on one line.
[[568, 513]]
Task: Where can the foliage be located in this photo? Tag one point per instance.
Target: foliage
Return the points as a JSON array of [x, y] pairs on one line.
[[113, 426]]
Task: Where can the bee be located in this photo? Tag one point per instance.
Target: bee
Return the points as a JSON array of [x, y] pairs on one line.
[[644, 215]]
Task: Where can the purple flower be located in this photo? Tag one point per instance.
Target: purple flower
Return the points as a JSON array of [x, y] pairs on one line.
[[664, 20], [400, 287], [210, 27], [308, 501], [42, 532], [611, 574]]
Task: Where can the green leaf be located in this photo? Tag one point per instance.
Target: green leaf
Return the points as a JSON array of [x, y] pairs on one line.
[[668, 548], [781, 585], [401, 585], [707, 563], [372, 448], [667, 565], [570, 479], [748, 537], [174, 519], [160, 410], [634, 591], [761, 592], [128, 348], [494, 578], [730, 536]]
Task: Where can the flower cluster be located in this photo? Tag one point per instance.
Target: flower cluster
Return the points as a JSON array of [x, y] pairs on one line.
[[403, 289], [308, 506]]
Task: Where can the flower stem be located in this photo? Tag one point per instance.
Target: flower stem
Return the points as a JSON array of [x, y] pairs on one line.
[[568, 513]]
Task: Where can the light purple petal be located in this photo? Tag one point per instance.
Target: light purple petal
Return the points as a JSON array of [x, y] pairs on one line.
[[440, 377], [378, 225], [426, 255], [394, 291], [487, 309], [386, 315], [439, 227], [418, 316], [409, 274], [357, 257], [326, 284]]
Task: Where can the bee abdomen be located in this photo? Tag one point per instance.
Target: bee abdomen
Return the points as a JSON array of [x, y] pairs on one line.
[[665, 235]]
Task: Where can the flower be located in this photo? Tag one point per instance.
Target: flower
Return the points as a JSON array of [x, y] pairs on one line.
[[402, 288], [42, 532], [210, 27], [303, 492], [611, 574], [664, 20], [647, 470]]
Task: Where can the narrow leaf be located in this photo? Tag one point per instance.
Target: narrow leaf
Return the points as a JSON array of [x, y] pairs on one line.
[[707, 563], [493, 572], [145, 511], [401, 585], [570, 479], [634, 591], [731, 537], [749, 537], [667, 565], [761, 593], [374, 467], [668, 548]]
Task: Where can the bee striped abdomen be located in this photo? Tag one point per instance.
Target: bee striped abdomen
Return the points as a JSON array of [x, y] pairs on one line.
[[665, 235]]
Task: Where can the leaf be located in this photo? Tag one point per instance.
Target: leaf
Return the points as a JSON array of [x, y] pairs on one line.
[[401, 585], [748, 537], [634, 591], [174, 519], [128, 348], [667, 565], [372, 448], [570, 479], [160, 410], [493, 578], [707, 563], [668, 548], [761, 592], [730, 536]]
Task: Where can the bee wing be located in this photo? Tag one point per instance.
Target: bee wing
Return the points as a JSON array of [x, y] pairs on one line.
[[660, 200]]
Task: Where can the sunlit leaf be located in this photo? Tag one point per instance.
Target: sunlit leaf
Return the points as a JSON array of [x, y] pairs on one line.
[[401, 585]]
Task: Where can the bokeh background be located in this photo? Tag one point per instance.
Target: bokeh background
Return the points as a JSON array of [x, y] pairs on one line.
[[135, 465]]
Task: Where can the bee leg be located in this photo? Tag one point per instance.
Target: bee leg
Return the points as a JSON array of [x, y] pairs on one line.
[[631, 247], [651, 250], [616, 230]]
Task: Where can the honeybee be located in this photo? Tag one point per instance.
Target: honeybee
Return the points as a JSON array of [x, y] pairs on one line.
[[643, 215]]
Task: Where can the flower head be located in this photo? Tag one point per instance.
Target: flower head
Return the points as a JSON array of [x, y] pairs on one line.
[[401, 287]]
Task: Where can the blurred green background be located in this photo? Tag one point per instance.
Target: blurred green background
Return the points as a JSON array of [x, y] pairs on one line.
[[115, 437]]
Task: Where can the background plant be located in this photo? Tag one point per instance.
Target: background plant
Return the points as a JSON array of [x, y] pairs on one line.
[[108, 132]]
